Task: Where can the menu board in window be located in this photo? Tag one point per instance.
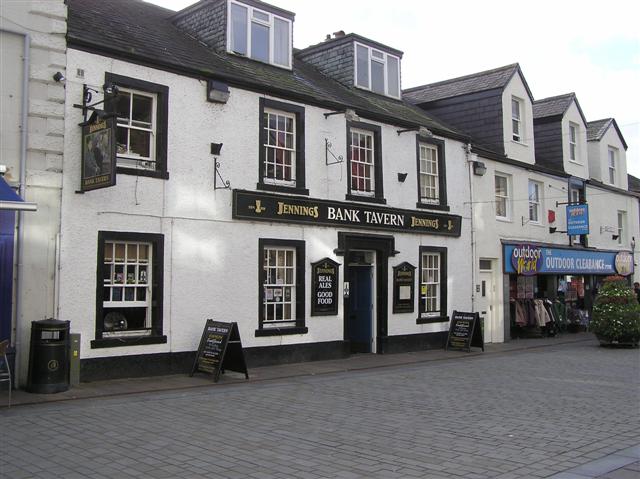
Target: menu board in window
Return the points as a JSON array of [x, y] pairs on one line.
[[403, 288], [324, 287]]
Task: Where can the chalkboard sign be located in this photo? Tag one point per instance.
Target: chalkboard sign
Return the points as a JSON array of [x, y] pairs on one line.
[[324, 287], [465, 331], [220, 348], [403, 288]]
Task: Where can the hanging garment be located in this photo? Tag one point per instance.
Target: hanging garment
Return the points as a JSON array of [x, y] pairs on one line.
[[542, 317], [521, 314]]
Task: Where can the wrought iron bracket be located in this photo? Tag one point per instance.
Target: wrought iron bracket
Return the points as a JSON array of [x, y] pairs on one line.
[[338, 159], [226, 183], [87, 95]]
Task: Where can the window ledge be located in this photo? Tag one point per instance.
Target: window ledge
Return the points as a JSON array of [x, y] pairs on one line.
[[281, 331], [128, 341], [427, 206], [366, 199], [520, 143], [163, 175], [283, 189], [503, 219], [575, 162], [434, 319]]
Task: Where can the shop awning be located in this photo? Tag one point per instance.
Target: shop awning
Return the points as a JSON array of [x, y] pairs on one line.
[[9, 199]]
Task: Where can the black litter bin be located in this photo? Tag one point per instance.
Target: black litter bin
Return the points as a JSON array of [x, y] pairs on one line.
[[49, 357]]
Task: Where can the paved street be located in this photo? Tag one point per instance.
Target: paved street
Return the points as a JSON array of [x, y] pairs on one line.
[[568, 408]]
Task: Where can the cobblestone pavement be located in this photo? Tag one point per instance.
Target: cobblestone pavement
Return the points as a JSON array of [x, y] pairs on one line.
[[531, 413]]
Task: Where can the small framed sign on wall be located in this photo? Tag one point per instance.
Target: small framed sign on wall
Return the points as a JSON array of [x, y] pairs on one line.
[[404, 288], [324, 287]]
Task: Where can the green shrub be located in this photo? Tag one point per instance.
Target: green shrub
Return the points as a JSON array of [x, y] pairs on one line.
[[616, 312]]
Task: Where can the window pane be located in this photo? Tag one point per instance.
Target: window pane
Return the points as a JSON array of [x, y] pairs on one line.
[[393, 85], [377, 77], [501, 186], [142, 109], [140, 143], [258, 15], [281, 42], [123, 104], [259, 42], [238, 29], [362, 61]]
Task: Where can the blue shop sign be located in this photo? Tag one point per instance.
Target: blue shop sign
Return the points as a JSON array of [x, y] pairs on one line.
[[577, 220], [529, 259]]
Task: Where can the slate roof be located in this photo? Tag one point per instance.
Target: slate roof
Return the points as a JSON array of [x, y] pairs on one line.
[[142, 33], [476, 82], [596, 130], [553, 106], [634, 183]]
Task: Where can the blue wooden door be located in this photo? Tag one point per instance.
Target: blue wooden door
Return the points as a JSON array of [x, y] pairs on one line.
[[7, 224], [360, 309]]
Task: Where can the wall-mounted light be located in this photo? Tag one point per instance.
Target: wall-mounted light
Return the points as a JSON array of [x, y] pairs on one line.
[[349, 114], [615, 237], [216, 148], [110, 89], [58, 77], [402, 177], [217, 91], [479, 168], [422, 131]]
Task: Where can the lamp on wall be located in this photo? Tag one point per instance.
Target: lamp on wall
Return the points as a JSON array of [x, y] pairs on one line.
[[349, 114], [402, 177], [479, 168], [58, 77], [422, 131], [217, 91]]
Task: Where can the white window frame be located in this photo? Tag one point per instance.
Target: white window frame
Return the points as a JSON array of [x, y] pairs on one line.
[[371, 165], [505, 198], [129, 159], [126, 283], [265, 178], [612, 161], [535, 203], [518, 136], [573, 143], [430, 276], [273, 287], [384, 61], [270, 24], [434, 175], [622, 220]]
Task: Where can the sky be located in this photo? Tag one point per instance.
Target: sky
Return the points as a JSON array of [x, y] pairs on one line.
[[587, 47]]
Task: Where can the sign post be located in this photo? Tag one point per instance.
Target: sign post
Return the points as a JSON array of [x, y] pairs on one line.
[[220, 348], [465, 332]]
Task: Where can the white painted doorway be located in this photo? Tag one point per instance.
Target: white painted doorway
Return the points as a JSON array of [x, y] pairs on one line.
[[486, 301]]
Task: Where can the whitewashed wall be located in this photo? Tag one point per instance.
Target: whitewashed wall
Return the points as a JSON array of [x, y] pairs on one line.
[[211, 262], [599, 159]]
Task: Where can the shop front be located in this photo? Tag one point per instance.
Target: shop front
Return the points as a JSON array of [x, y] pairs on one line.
[[552, 289]]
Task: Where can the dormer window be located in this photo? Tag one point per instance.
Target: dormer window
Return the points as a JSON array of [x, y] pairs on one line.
[[377, 71], [260, 35], [516, 118]]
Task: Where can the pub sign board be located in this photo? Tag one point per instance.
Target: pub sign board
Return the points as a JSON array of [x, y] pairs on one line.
[[257, 206], [324, 287], [98, 154], [220, 348], [465, 331], [403, 288]]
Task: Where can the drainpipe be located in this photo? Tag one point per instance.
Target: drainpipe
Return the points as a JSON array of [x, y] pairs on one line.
[[467, 152], [22, 175]]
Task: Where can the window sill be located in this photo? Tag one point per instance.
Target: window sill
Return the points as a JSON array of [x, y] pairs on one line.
[[434, 319], [504, 219], [281, 331], [366, 199], [520, 143], [283, 189], [574, 162], [427, 206], [163, 175], [128, 341]]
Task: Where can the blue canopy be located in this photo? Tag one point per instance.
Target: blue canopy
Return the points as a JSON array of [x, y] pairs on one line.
[[7, 193]]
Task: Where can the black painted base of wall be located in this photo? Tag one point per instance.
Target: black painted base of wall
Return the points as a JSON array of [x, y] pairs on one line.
[[413, 342], [145, 365]]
